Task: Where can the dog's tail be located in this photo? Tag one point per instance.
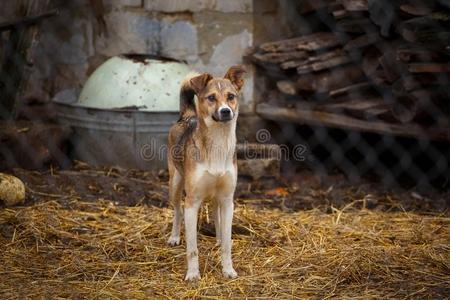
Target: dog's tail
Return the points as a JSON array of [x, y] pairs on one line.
[[187, 97]]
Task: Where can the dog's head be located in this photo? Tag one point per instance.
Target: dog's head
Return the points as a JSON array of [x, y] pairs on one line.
[[218, 98]]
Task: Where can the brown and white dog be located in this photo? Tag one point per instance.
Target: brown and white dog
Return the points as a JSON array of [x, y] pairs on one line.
[[202, 161]]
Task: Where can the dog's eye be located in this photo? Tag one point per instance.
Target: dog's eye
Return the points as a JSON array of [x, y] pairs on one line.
[[212, 98], [230, 97]]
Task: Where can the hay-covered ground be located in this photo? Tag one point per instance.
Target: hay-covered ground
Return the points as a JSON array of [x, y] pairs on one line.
[[68, 246]]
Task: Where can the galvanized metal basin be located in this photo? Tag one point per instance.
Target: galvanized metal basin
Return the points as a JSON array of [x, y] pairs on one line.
[[124, 112]]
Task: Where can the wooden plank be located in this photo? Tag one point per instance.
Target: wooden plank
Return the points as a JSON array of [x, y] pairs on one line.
[[360, 25], [340, 14], [98, 9], [404, 108], [311, 59], [314, 117], [431, 30], [304, 7], [432, 102], [410, 53], [383, 13], [412, 82], [312, 42], [292, 64], [363, 41], [416, 9], [354, 88], [287, 87], [355, 104], [17, 60], [279, 57], [392, 68], [330, 79], [371, 62], [429, 67], [355, 5], [367, 108], [326, 64], [27, 21]]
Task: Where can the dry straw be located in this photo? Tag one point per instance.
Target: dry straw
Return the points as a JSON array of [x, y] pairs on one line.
[[98, 250]]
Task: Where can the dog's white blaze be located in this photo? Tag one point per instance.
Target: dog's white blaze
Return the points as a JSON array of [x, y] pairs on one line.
[[224, 106]]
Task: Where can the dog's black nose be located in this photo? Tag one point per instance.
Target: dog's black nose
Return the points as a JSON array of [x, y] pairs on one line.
[[225, 113]]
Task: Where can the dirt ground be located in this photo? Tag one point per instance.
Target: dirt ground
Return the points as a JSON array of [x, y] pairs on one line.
[[101, 233], [302, 191]]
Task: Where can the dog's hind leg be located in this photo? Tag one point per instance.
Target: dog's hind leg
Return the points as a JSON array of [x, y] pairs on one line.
[[175, 195]]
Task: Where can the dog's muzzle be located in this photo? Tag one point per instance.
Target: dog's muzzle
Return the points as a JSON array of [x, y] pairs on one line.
[[224, 114]]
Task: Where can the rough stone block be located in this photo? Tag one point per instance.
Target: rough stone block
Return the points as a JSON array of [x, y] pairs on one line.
[[171, 6], [179, 41], [129, 33], [131, 2], [116, 3], [226, 53], [239, 6]]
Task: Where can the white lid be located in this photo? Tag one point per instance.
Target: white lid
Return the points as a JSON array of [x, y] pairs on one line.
[[135, 81]]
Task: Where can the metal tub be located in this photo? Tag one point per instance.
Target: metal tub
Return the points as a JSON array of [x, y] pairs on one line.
[[125, 138], [123, 114]]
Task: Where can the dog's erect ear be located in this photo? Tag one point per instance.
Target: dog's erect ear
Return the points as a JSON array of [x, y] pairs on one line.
[[235, 74], [198, 83]]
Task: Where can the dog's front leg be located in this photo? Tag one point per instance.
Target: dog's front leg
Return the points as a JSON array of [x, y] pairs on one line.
[[216, 217], [190, 219], [226, 220]]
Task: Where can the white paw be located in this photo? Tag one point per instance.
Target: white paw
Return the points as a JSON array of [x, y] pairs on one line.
[[174, 241], [192, 275], [218, 243], [229, 273]]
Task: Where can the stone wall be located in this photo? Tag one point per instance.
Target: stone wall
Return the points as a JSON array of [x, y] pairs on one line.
[[210, 35]]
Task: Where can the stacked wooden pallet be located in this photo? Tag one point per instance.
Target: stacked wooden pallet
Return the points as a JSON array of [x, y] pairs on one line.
[[385, 61]]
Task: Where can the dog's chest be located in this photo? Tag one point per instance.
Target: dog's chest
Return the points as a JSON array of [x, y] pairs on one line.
[[218, 153], [212, 182], [217, 173]]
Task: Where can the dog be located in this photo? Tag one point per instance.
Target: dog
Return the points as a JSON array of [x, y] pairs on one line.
[[202, 161]]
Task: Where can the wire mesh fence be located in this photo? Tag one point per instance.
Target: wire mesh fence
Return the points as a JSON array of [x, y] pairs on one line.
[[358, 87], [349, 106], [366, 83]]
